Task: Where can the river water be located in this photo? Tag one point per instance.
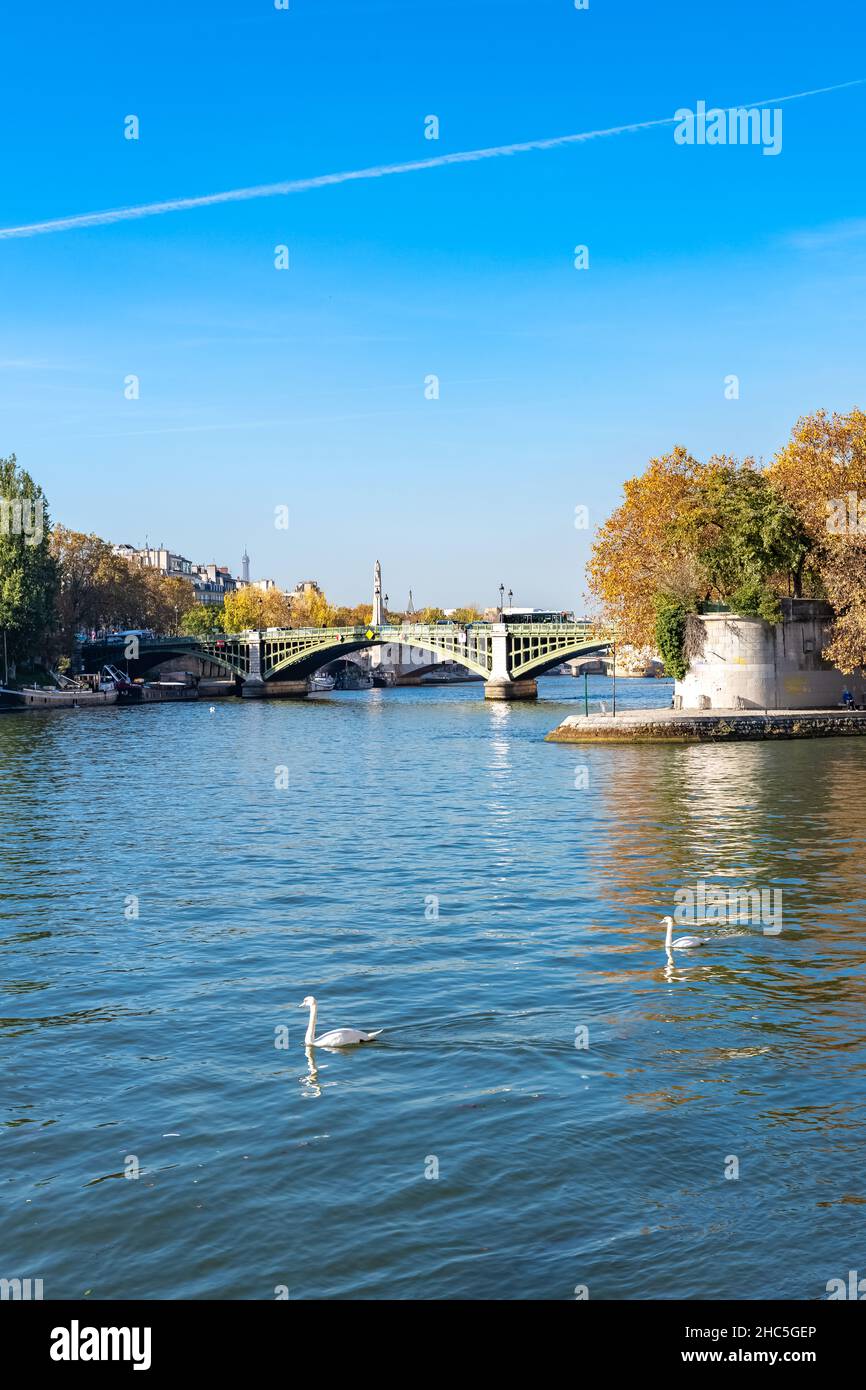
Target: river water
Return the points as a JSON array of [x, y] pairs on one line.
[[552, 1106]]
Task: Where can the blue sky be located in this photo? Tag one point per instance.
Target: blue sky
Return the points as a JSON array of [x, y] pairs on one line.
[[306, 387]]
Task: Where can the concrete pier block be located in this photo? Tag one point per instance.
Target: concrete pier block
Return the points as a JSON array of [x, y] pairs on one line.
[[285, 690], [498, 688]]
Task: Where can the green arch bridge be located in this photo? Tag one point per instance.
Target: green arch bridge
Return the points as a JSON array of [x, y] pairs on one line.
[[507, 655]]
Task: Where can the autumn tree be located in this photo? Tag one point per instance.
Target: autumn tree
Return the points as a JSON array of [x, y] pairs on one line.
[[689, 532], [359, 616], [81, 563], [824, 461], [256, 609], [312, 610], [640, 553], [821, 472], [99, 589], [164, 598]]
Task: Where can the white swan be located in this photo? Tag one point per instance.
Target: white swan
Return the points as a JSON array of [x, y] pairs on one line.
[[338, 1037], [682, 943]]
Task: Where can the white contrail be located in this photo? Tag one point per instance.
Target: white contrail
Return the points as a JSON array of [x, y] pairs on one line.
[[380, 171]]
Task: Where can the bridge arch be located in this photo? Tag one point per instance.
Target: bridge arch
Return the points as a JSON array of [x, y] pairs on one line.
[[500, 653], [303, 652], [537, 665], [146, 654]]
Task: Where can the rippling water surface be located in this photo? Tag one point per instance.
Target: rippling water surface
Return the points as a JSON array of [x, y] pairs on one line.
[[155, 1040]]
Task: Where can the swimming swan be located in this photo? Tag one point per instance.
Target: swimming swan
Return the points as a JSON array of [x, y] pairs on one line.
[[682, 943], [338, 1037]]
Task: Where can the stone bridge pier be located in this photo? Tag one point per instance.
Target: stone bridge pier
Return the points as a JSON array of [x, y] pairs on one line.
[[255, 687], [500, 684]]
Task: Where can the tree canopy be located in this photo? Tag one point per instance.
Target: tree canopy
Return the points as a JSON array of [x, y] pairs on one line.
[[256, 608], [28, 572], [821, 472], [100, 589], [688, 533], [203, 618], [644, 549]]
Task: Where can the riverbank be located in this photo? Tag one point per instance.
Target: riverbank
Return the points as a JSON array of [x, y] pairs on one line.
[[720, 726]]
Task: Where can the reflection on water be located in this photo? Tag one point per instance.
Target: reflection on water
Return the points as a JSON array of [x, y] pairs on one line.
[[311, 1079], [153, 1037]]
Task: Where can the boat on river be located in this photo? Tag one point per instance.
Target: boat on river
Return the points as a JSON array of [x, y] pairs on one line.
[[351, 676], [155, 692], [46, 697], [319, 682], [131, 692]]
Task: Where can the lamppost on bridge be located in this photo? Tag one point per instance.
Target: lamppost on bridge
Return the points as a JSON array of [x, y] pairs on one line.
[[501, 600], [385, 609], [510, 597]]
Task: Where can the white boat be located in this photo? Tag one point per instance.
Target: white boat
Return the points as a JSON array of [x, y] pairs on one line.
[[319, 681]]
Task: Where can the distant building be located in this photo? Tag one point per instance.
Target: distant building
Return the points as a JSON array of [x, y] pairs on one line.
[[126, 552], [305, 588], [267, 586], [166, 561], [211, 583]]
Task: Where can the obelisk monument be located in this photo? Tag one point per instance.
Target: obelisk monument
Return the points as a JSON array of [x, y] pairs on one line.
[[378, 606]]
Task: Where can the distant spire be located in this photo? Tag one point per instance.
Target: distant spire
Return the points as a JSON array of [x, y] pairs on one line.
[[245, 567]]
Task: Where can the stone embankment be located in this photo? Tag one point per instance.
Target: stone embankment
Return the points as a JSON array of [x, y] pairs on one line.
[[722, 726]]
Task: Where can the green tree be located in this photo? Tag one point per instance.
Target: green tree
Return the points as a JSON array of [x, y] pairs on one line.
[[203, 618], [690, 531], [749, 540], [28, 575]]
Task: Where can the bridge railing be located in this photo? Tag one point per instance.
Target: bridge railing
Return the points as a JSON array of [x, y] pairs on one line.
[[567, 630], [120, 639], [358, 632]]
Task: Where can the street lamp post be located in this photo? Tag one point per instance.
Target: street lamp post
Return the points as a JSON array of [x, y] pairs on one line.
[[614, 680], [501, 600]]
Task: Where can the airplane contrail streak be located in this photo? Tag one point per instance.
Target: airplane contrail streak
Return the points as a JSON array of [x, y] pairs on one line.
[[379, 171]]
